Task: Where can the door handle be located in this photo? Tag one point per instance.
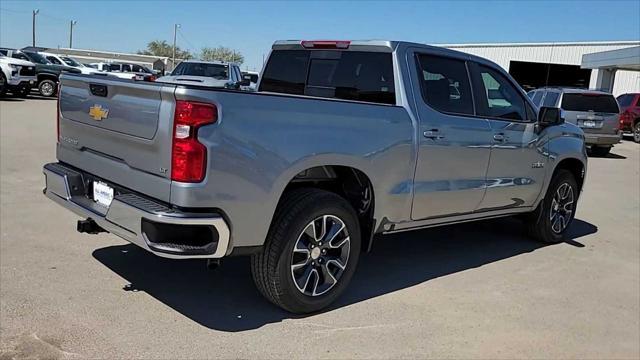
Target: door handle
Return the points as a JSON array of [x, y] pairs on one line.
[[433, 134], [499, 137]]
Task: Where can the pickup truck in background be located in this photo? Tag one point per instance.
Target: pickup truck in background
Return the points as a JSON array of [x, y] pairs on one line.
[[16, 76], [342, 140], [216, 74], [47, 74]]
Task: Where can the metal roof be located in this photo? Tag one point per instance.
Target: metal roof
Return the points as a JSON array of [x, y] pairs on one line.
[[534, 44]]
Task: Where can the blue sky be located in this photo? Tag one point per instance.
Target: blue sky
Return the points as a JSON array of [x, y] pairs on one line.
[[251, 27]]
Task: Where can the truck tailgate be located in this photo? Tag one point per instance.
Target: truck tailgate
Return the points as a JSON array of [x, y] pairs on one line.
[[119, 130]]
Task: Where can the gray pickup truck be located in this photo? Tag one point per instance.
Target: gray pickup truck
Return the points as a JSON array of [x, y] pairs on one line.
[[342, 141]]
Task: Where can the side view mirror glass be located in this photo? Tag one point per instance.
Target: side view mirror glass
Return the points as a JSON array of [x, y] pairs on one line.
[[549, 116]]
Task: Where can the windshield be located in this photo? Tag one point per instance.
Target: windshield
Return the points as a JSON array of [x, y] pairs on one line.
[[216, 71], [71, 62], [590, 102], [37, 58]]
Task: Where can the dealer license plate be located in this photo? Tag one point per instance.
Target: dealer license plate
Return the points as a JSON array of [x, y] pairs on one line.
[[102, 193]]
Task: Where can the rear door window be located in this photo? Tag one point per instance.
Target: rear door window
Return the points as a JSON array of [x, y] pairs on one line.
[[444, 83], [595, 102], [537, 97], [348, 75], [551, 99]]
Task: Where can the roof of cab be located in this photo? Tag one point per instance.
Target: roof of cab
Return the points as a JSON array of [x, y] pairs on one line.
[[379, 46]]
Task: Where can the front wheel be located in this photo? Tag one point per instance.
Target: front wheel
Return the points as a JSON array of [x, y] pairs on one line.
[[311, 251], [47, 88], [549, 222], [636, 132]]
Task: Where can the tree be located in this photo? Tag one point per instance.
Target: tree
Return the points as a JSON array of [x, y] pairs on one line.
[[221, 53], [164, 49]]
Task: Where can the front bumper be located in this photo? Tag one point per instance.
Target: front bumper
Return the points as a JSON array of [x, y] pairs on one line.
[[130, 214], [22, 81], [602, 139]]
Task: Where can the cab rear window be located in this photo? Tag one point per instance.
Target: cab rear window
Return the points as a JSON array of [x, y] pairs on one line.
[[347, 75], [589, 102]]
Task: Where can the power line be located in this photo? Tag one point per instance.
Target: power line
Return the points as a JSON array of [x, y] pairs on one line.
[[183, 37]]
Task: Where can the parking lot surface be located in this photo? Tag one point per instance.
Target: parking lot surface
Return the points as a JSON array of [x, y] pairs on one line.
[[477, 290]]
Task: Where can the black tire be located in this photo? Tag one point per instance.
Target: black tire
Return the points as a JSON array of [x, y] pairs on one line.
[[47, 88], [600, 151], [23, 92], [539, 223], [272, 267], [3, 84], [636, 131]]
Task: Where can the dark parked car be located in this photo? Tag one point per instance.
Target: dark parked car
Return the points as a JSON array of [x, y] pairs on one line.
[[46, 73], [630, 114]]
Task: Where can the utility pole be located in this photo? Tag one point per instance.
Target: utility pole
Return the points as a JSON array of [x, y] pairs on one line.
[[33, 23], [175, 31], [73, 22]]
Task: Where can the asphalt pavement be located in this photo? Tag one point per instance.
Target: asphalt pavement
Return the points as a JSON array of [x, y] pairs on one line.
[[477, 290]]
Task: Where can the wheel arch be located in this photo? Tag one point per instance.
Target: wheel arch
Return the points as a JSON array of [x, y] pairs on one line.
[[346, 180], [46, 76], [574, 165]]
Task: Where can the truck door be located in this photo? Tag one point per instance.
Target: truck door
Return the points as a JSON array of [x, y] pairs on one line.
[[454, 144], [517, 167]]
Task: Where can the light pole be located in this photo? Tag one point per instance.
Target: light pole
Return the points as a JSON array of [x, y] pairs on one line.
[[175, 30], [71, 23], [33, 23]]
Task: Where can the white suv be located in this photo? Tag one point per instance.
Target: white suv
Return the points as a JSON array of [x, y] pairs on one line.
[[17, 76]]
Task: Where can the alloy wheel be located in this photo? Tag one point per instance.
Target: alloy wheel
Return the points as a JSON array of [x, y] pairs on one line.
[[561, 208], [320, 255], [636, 132], [46, 89]]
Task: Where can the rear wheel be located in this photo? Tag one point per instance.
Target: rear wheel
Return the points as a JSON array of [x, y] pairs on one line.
[[3, 84], [556, 211], [47, 87], [600, 151], [636, 132], [311, 251]]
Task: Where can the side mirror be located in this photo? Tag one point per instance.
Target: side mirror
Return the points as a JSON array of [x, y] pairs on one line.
[[549, 116], [246, 81]]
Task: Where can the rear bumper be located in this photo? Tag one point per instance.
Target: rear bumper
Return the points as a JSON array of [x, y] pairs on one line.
[[130, 214], [601, 139]]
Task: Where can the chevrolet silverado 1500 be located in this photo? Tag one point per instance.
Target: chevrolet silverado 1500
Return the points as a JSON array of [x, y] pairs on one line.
[[342, 140]]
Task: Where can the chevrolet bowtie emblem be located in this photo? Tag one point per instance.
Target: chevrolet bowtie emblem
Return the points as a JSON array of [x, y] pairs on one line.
[[97, 112]]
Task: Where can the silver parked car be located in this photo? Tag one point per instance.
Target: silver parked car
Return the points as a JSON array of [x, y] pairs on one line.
[[596, 112], [341, 141]]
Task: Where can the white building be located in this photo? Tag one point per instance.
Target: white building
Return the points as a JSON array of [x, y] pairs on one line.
[[93, 56], [560, 64]]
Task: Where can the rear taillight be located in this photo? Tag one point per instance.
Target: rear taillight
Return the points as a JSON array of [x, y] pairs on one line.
[[188, 155], [325, 44], [625, 117]]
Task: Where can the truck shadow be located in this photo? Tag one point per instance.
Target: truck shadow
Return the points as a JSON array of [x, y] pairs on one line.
[[227, 300]]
